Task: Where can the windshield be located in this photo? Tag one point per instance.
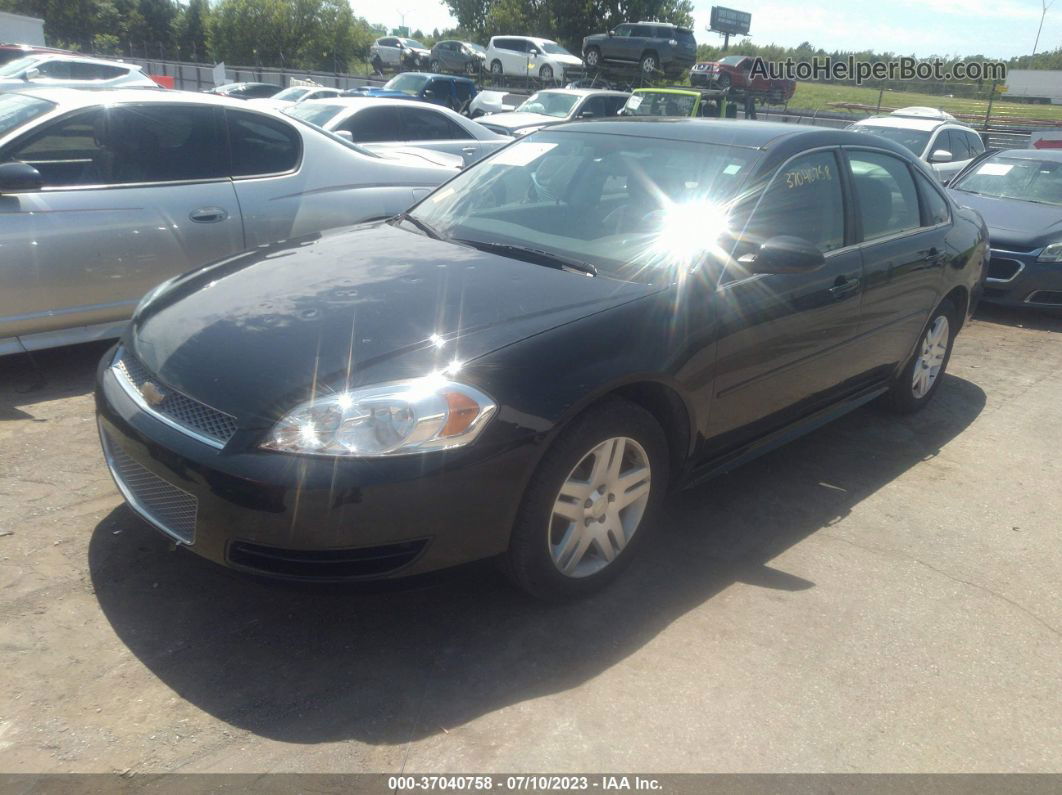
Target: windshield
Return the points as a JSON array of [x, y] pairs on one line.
[[292, 94], [407, 83], [915, 140], [476, 47], [553, 48], [412, 44], [732, 60], [317, 115], [1015, 178], [13, 68], [549, 103], [659, 105], [628, 205], [17, 109]]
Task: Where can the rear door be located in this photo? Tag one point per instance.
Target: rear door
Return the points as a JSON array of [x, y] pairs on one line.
[[133, 194], [904, 223], [786, 340], [514, 56], [434, 130]]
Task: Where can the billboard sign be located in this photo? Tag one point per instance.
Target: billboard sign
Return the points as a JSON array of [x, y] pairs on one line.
[[727, 20]]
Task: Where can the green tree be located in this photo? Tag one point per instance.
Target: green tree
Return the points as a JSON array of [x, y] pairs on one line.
[[192, 26]]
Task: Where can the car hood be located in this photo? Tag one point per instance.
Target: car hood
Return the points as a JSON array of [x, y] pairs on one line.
[[256, 334], [1013, 223], [573, 60], [518, 119]]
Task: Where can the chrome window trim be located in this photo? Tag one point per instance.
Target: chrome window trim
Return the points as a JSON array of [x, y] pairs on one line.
[[134, 503], [134, 394]]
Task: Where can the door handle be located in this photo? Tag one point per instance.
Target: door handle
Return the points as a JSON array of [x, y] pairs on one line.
[[208, 215], [469, 150], [843, 287], [932, 256]]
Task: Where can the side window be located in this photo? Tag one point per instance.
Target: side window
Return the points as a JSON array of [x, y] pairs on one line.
[[974, 143], [373, 125], [888, 201], [934, 206], [594, 106], [130, 144], [94, 71], [427, 125], [623, 30], [642, 31], [55, 70], [261, 145], [464, 90], [804, 200], [949, 143]]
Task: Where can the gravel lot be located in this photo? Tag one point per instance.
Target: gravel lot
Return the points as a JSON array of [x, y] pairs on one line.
[[884, 595]]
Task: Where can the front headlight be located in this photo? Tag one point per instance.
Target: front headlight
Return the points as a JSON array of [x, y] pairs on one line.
[[399, 418], [1051, 253]]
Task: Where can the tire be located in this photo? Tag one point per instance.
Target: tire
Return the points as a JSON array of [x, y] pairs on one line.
[[648, 63], [540, 536], [471, 69], [592, 58], [546, 73], [433, 66], [927, 364], [723, 82], [496, 67], [377, 65]]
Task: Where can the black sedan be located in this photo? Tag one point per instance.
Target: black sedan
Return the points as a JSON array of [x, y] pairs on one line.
[[525, 363], [1019, 194], [245, 90]]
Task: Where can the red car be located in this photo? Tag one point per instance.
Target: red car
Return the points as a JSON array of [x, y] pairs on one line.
[[12, 52], [734, 72]]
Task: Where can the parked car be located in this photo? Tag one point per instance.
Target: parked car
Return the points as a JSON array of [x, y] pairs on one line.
[[11, 52], [41, 70], [554, 106], [452, 92], [245, 90], [524, 363], [384, 125], [457, 56], [493, 102], [526, 56], [1019, 194], [654, 46], [678, 102], [107, 193], [936, 137], [393, 52], [295, 94], [734, 72]]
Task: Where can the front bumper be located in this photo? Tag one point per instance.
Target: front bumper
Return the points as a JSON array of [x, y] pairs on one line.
[[1015, 278], [304, 517], [703, 79]]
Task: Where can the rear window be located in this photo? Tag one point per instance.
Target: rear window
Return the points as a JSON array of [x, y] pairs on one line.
[[317, 115], [685, 36], [261, 145]]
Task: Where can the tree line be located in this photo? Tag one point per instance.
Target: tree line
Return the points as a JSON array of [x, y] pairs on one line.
[[325, 34]]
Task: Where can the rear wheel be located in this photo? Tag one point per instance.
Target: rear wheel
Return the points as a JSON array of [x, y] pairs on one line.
[[590, 503], [496, 67], [434, 65], [920, 379], [471, 68], [648, 63], [377, 65]]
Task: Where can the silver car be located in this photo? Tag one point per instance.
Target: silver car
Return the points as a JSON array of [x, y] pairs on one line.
[[105, 194], [384, 125], [43, 70]]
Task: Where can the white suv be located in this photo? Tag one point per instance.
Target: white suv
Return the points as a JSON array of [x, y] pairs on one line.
[[530, 57], [39, 70], [933, 135]]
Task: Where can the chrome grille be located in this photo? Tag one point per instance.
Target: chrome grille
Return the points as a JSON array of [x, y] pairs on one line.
[[169, 508], [179, 409]]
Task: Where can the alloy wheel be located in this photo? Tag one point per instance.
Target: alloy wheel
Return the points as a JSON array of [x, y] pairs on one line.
[[599, 507], [591, 58], [931, 357], [648, 64]]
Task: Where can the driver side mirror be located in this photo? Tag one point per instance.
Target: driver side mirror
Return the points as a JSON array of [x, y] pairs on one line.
[[19, 177], [346, 135], [784, 254], [31, 74], [940, 156], [611, 33]]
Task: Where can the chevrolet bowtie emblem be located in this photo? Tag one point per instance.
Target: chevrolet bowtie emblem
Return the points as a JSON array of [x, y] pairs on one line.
[[151, 393]]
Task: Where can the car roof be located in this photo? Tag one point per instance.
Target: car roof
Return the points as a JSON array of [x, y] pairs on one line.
[[902, 122], [683, 92], [72, 98], [437, 75], [73, 56], [763, 135], [584, 92], [369, 101]]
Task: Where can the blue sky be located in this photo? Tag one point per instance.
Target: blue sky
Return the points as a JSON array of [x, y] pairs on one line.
[[999, 29]]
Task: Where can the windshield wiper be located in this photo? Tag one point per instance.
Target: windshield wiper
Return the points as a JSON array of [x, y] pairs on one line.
[[423, 227], [534, 255]]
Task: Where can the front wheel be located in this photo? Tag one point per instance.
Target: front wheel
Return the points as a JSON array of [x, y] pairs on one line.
[[434, 65], [648, 64], [496, 67], [920, 379], [546, 73], [471, 68], [592, 58], [590, 502]]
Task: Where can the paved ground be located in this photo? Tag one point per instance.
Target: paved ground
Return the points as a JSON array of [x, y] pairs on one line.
[[884, 595]]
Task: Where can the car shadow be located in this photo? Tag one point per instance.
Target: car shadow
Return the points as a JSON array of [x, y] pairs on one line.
[[29, 378], [389, 663], [1020, 317]]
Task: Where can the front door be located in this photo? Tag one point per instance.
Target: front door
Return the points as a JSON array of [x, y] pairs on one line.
[[133, 194], [786, 340]]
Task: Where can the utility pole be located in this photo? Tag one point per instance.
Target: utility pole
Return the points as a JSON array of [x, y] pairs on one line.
[[1046, 7]]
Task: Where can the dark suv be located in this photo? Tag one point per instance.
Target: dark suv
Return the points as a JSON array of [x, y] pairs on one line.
[[654, 46]]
